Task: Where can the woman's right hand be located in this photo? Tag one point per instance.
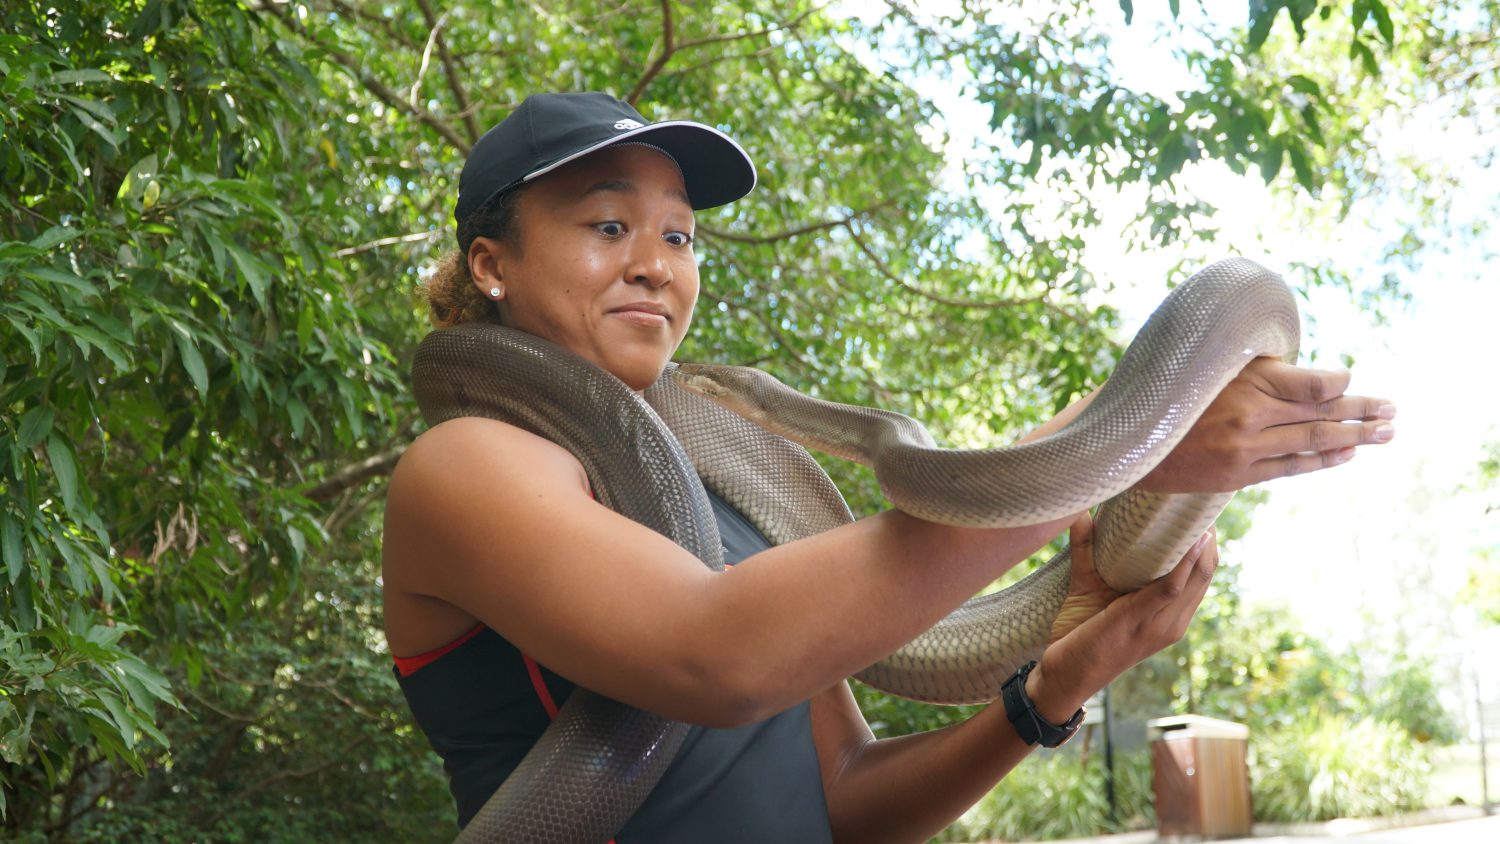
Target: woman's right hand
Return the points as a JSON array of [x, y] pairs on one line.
[[1090, 652], [1271, 421]]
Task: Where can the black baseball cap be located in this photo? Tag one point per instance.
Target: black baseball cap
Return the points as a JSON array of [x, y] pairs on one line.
[[549, 130]]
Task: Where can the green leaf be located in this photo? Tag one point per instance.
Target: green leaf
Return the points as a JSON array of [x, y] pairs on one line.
[[70, 77], [15, 744], [1310, 117], [65, 470], [304, 327], [104, 132], [10, 546], [1262, 16], [299, 415], [59, 277], [298, 541], [251, 271], [35, 426], [94, 337], [1128, 7], [1359, 49], [1303, 85], [1301, 167], [1383, 21], [78, 576], [100, 110], [53, 236], [23, 327], [192, 361], [118, 713], [137, 177], [149, 678]]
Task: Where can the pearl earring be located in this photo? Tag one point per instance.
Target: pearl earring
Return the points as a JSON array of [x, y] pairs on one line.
[[494, 293]]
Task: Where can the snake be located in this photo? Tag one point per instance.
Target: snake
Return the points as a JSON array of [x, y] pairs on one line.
[[742, 433]]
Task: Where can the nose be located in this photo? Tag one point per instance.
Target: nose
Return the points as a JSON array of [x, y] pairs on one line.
[[649, 262]]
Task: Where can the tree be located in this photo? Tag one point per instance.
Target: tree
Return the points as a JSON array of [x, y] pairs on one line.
[[215, 216]]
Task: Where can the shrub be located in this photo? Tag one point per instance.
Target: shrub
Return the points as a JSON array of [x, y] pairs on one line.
[[1059, 796], [1336, 767]]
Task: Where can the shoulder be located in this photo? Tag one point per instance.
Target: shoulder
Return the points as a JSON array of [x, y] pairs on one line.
[[469, 471], [461, 454]]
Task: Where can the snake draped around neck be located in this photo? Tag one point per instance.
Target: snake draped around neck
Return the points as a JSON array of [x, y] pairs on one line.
[[757, 783]]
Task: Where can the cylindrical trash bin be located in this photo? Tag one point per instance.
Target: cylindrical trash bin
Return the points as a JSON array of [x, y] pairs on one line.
[[1199, 775]]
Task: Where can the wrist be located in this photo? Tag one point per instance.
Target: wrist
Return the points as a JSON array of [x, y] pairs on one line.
[[1030, 723], [1055, 694]]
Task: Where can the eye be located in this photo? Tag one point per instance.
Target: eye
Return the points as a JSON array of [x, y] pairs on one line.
[[678, 238], [610, 228]]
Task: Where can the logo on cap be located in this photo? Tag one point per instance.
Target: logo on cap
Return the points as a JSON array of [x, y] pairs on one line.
[[627, 123]]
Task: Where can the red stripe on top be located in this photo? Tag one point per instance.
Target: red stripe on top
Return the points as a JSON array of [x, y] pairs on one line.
[[408, 665], [542, 692]]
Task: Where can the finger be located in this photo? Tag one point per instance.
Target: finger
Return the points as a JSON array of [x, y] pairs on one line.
[[1340, 409], [1175, 581], [1081, 532], [1322, 436], [1296, 383], [1286, 465], [1201, 577]]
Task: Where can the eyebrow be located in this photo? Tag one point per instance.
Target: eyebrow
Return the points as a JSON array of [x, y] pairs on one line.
[[627, 186]]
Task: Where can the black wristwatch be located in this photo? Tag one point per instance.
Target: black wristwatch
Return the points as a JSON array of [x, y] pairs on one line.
[[1029, 723]]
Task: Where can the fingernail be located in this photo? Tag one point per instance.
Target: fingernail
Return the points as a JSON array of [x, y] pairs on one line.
[[1386, 411], [1200, 544], [1343, 455], [1384, 432]]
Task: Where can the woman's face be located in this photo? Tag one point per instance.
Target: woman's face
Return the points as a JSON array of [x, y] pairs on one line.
[[605, 264]]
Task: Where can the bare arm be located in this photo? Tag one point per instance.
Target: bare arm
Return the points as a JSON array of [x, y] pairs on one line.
[[499, 523], [909, 788]]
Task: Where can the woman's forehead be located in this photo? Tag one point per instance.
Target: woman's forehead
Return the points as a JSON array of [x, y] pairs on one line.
[[631, 170]]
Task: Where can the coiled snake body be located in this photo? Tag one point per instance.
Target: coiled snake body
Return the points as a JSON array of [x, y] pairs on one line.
[[645, 456]]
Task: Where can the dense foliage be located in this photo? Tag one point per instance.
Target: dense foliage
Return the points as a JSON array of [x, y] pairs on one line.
[[214, 217], [1337, 768]]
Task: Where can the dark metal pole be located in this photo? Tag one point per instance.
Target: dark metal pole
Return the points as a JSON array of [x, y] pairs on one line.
[[1109, 757]]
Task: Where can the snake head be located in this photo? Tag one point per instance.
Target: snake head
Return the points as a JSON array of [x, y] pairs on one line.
[[700, 378]]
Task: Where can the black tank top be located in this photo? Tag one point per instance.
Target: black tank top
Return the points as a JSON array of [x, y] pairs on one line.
[[481, 712]]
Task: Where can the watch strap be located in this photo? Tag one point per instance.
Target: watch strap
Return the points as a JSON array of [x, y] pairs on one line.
[[1029, 723]]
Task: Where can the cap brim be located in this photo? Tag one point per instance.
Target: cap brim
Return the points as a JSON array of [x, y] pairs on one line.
[[715, 169]]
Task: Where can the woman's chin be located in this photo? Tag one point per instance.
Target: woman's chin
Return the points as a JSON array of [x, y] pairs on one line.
[[638, 372]]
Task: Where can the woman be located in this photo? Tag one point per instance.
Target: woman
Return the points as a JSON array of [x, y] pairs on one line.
[[575, 223]]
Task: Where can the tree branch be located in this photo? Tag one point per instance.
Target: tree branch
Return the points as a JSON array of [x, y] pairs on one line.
[[354, 12], [388, 241], [356, 474], [381, 91], [432, 37], [455, 79], [667, 49], [728, 57], [784, 25], [797, 232], [759, 316], [885, 271], [978, 304]]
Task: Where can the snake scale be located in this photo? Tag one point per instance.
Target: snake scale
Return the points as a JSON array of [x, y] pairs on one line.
[[649, 458]]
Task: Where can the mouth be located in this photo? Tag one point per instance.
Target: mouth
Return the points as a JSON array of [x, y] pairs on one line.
[[653, 313]]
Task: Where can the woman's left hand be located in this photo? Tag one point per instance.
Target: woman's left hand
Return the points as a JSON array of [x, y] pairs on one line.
[[1100, 633]]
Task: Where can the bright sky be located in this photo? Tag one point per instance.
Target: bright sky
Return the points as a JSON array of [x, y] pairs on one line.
[[1380, 546]]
